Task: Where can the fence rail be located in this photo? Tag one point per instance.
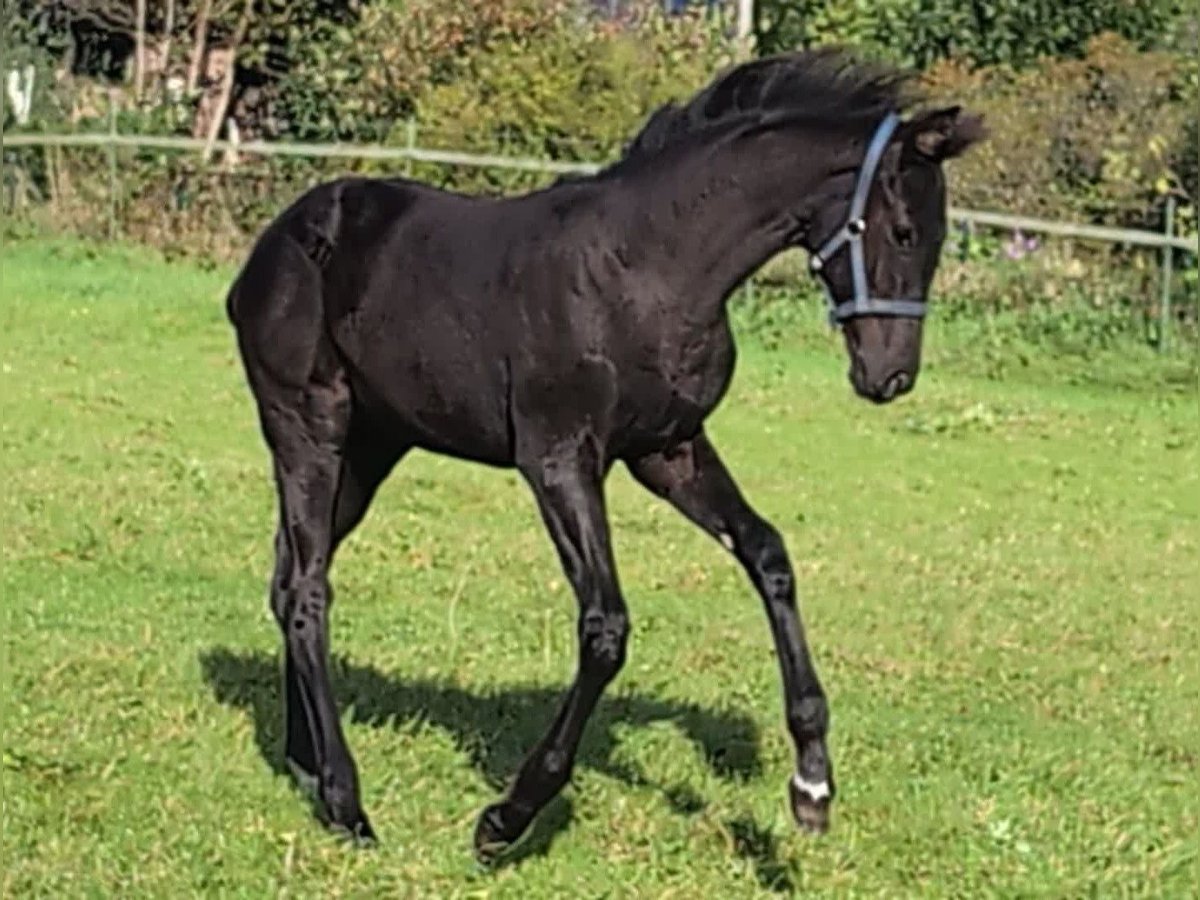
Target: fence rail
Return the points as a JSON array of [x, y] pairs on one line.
[[299, 148], [1127, 236]]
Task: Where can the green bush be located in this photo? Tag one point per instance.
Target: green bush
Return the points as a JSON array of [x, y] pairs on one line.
[[981, 32], [1101, 139], [1022, 32], [356, 81], [573, 93]]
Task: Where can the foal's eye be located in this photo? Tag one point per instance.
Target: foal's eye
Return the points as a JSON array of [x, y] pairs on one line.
[[905, 236]]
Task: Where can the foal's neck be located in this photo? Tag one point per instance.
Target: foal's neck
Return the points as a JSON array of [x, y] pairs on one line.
[[722, 214]]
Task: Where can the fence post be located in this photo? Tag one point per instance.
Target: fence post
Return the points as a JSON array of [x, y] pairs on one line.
[[1168, 259], [410, 144], [112, 169]]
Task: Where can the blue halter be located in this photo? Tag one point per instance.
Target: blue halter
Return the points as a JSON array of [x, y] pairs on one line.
[[862, 303]]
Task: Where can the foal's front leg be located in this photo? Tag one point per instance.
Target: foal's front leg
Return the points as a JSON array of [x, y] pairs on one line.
[[567, 480], [693, 479]]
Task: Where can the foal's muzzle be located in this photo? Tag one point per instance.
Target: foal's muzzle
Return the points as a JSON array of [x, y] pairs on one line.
[[886, 389]]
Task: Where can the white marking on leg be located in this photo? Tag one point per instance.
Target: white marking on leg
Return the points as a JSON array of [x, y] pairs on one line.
[[304, 779], [816, 790], [727, 541]]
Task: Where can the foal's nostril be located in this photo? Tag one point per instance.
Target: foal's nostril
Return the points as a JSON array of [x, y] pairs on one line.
[[897, 384]]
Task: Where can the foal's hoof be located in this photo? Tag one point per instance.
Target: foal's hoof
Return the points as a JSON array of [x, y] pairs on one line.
[[810, 804], [492, 839], [338, 810], [360, 833], [352, 825]]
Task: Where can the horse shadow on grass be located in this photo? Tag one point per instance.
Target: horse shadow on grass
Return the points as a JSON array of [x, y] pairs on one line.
[[494, 728]]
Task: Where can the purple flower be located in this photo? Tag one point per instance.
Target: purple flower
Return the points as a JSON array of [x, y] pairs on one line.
[[1020, 246]]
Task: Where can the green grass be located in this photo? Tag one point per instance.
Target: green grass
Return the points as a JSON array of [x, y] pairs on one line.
[[1001, 581]]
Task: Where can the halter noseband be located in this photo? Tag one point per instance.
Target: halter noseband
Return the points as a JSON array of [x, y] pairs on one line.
[[862, 303]]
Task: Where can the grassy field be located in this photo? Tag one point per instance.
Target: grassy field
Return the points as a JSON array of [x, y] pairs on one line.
[[1008, 631]]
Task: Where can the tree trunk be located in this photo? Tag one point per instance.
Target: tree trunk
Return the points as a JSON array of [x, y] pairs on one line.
[[168, 34], [745, 28], [218, 116], [139, 64], [198, 46]]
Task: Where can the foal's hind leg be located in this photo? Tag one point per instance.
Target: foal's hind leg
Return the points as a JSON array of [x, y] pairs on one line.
[[567, 481], [299, 752], [366, 463], [693, 479], [307, 430]]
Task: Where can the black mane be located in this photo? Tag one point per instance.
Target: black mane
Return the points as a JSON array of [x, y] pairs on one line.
[[827, 83]]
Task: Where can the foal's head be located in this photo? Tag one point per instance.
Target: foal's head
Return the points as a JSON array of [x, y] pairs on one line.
[[877, 254], [819, 155]]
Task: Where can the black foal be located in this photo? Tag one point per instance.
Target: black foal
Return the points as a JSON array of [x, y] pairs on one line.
[[565, 330]]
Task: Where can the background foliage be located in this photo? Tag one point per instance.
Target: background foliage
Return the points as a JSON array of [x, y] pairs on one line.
[[986, 32], [1091, 108]]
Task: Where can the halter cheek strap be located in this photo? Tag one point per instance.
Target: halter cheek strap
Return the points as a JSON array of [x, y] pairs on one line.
[[861, 302]]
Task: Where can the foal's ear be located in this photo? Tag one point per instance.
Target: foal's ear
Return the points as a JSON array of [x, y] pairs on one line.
[[943, 133]]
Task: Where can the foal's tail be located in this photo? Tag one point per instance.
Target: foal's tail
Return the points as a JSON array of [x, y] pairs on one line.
[[292, 250]]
